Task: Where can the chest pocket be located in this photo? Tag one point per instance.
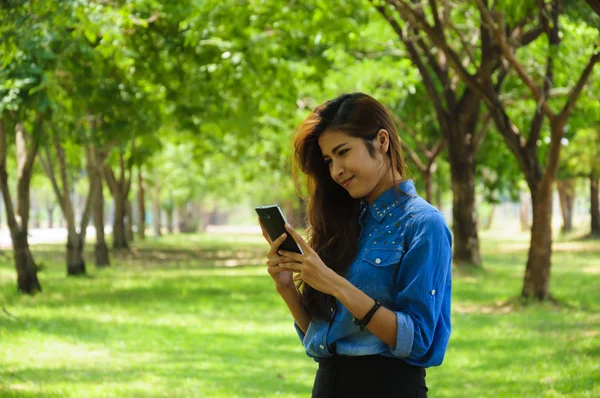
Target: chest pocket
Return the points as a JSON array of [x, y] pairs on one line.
[[377, 273], [382, 257]]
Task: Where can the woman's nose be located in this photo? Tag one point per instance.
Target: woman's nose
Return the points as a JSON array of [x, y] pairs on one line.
[[337, 170]]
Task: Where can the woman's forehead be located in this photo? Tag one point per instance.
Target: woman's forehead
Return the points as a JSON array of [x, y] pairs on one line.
[[332, 138]]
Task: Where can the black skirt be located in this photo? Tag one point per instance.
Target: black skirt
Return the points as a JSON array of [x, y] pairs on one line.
[[368, 376]]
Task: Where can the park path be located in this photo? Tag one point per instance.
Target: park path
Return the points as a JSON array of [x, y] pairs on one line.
[[59, 235]]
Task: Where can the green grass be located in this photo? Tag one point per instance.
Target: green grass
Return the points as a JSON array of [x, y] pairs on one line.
[[180, 317]]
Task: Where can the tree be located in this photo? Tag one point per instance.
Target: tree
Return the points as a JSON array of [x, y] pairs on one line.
[[63, 186], [457, 105], [27, 53], [18, 219], [540, 180], [501, 34]]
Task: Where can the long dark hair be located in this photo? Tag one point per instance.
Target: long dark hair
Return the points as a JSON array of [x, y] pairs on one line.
[[332, 213]]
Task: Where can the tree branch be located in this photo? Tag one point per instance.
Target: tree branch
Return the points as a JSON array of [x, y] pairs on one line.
[[544, 19], [410, 131], [111, 181], [436, 150], [25, 158], [439, 67], [595, 5], [531, 35], [510, 57], [466, 46], [436, 18], [8, 204], [408, 13], [62, 170], [48, 167], [480, 135], [413, 155], [576, 90], [85, 217], [415, 58]]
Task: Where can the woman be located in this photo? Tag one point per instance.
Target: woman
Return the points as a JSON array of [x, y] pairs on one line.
[[371, 302]]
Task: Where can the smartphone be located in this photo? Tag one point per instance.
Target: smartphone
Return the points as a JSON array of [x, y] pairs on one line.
[[274, 221]]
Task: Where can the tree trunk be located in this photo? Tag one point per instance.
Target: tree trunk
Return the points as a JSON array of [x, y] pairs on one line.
[[566, 196], [75, 262], [50, 212], [95, 166], [464, 216], [524, 211], [156, 212], [119, 188], [185, 221], [170, 212], [70, 204], [490, 219], [37, 222], [594, 203], [128, 220], [27, 280], [438, 193], [141, 207], [119, 234], [537, 271], [100, 249], [427, 177]]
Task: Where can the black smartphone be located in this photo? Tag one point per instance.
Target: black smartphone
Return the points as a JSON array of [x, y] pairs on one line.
[[274, 221]]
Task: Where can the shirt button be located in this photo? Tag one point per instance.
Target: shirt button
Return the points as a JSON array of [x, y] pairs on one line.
[[322, 347], [377, 260], [432, 292], [331, 309]]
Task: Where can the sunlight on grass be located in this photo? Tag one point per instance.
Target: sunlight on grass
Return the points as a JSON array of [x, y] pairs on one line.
[[171, 319]]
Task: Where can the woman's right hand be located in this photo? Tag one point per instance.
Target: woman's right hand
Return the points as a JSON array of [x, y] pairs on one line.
[[283, 278]]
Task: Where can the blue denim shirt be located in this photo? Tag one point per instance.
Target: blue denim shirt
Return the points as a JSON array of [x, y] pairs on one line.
[[404, 259]]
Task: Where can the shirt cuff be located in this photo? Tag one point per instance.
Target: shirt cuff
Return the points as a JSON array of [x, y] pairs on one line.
[[300, 333], [405, 335]]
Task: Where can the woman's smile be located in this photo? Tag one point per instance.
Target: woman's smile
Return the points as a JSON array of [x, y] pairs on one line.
[[348, 181]]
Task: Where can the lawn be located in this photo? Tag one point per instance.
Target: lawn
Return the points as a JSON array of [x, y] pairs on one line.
[[197, 316]]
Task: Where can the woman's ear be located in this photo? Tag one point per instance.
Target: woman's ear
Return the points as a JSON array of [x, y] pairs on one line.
[[383, 139]]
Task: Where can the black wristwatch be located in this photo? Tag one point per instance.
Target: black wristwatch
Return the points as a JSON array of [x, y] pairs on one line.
[[367, 318]]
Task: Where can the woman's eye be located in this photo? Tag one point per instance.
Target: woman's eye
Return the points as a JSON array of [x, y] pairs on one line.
[[343, 152]]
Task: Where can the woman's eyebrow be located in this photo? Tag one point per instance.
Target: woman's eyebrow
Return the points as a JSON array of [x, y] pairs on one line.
[[337, 148]]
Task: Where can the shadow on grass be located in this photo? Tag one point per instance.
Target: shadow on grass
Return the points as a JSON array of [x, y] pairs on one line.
[[164, 258]]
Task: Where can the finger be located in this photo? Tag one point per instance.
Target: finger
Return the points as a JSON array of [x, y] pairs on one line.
[[299, 239], [296, 257], [274, 262], [276, 270], [275, 245], [292, 266]]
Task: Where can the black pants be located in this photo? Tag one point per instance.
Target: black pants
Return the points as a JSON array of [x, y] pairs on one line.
[[368, 376]]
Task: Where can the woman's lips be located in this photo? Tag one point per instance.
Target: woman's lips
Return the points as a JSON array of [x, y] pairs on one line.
[[348, 182]]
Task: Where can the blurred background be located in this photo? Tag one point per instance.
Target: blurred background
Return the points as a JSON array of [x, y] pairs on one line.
[[136, 138]]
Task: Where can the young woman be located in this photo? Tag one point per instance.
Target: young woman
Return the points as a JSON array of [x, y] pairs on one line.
[[371, 299]]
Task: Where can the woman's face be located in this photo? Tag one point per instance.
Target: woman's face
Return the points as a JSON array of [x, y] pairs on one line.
[[351, 166]]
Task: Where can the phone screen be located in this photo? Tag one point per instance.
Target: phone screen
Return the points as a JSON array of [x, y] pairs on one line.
[[274, 221]]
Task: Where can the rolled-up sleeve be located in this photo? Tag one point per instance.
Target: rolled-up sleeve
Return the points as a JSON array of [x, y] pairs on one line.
[[300, 333], [422, 303]]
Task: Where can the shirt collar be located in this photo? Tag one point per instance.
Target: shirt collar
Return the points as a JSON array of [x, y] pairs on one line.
[[389, 200]]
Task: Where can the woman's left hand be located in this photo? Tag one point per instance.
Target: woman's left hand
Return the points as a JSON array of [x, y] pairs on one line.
[[310, 266]]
